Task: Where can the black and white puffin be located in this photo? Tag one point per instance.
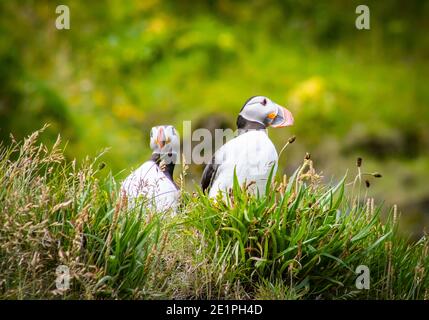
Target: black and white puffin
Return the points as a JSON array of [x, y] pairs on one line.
[[251, 153], [153, 180]]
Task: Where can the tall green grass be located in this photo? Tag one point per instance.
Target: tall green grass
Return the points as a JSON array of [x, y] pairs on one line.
[[307, 238], [303, 239], [56, 213]]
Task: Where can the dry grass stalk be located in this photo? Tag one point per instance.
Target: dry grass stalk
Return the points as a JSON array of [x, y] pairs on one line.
[[121, 201], [388, 246]]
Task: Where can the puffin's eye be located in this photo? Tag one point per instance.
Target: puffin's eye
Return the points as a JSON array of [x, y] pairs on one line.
[[264, 102]]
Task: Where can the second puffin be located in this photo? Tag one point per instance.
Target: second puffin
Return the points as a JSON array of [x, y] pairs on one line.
[[251, 154]]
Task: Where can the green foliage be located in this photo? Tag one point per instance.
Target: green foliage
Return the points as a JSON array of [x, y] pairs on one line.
[[308, 240], [55, 213], [301, 240]]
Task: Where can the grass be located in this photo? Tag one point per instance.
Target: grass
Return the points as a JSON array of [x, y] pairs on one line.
[[301, 240]]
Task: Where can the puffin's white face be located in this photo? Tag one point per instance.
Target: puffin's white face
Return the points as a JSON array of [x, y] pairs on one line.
[[262, 110], [164, 139]]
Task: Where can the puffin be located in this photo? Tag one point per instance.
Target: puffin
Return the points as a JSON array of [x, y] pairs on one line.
[[153, 180], [251, 154]]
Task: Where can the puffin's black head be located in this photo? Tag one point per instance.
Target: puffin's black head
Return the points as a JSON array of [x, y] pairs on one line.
[[260, 112]]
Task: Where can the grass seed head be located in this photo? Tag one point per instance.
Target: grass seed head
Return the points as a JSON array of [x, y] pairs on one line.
[[101, 166], [359, 162]]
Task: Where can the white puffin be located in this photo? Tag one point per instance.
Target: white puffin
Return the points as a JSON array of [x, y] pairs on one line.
[[153, 180], [251, 154]]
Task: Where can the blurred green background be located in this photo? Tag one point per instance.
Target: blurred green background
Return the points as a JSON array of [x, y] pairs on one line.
[[125, 66]]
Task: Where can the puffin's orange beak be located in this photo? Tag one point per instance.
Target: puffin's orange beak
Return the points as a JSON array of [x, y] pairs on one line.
[[283, 118], [160, 138]]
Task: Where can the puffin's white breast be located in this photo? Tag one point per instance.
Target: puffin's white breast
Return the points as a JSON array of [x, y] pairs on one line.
[[252, 154], [153, 185]]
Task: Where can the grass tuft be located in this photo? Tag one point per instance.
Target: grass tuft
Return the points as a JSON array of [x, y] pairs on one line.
[[303, 239]]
